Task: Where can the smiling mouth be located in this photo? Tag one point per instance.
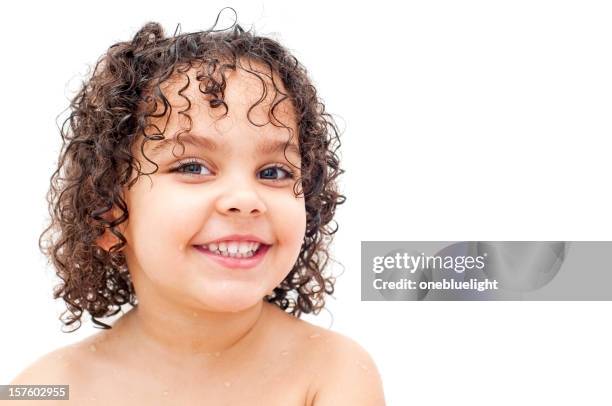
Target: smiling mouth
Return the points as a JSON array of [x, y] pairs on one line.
[[235, 260], [227, 254]]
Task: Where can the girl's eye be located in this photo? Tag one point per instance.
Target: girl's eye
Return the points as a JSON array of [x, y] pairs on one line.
[[270, 171], [194, 168]]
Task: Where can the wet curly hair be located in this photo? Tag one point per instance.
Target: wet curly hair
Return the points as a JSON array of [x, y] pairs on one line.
[[112, 108]]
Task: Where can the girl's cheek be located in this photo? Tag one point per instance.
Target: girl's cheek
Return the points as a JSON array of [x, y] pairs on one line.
[[160, 220], [293, 220]]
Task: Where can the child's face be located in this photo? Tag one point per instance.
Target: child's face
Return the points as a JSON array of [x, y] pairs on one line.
[[217, 193]]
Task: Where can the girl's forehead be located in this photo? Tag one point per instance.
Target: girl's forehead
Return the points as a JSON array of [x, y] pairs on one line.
[[252, 90], [258, 106]]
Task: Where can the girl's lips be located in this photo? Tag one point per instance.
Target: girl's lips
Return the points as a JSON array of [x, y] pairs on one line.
[[239, 263]]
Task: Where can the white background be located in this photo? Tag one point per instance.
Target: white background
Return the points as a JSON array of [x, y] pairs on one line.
[[472, 120]]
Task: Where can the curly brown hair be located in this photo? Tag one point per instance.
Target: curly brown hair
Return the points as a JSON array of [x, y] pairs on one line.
[[111, 109]]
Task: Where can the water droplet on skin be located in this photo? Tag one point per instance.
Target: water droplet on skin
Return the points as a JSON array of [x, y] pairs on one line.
[[92, 348], [284, 353], [228, 384], [317, 335], [362, 366], [165, 393]]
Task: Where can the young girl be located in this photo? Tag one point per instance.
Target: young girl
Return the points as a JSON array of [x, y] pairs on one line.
[[196, 184]]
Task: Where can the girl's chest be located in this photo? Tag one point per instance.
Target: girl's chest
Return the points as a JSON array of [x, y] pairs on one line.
[[267, 385]]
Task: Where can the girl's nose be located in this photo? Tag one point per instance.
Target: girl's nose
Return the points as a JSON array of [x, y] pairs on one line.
[[240, 199]]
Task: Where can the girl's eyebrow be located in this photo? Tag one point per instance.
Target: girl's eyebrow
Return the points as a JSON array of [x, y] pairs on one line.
[[266, 147]]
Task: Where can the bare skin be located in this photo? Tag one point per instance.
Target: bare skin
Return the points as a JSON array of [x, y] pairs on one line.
[[281, 361]]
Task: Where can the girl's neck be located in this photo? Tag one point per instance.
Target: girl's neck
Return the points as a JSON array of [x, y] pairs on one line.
[[178, 333]]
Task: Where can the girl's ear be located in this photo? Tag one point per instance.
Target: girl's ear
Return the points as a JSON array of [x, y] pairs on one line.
[[108, 239]]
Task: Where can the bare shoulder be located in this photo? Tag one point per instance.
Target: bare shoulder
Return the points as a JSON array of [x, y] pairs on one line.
[[341, 370], [76, 365], [349, 375], [56, 367]]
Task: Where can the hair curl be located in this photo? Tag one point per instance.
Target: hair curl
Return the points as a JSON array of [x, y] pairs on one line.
[[111, 109]]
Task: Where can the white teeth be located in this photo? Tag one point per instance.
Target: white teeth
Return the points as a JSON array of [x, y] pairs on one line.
[[244, 248], [234, 249]]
